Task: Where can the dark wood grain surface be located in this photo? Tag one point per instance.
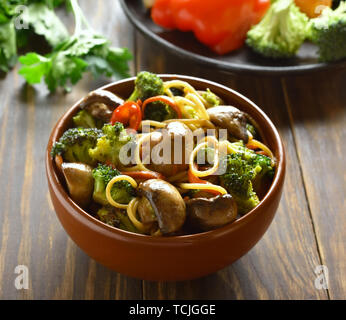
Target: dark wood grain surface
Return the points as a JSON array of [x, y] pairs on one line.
[[308, 230]]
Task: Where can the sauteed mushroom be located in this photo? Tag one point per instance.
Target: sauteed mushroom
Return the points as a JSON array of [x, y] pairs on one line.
[[147, 214], [207, 214], [176, 134], [230, 118], [80, 182], [101, 104], [163, 203]]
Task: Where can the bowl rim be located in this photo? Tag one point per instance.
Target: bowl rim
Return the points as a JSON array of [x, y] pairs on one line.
[[278, 178]]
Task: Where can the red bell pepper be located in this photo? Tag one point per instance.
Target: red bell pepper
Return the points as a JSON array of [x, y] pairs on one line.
[[164, 99], [193, 179], [220, 24]]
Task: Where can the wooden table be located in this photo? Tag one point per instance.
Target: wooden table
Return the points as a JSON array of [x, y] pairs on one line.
[[308, 230]]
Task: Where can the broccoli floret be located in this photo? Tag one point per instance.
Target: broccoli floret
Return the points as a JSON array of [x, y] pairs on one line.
[[84, 119], [262, 164], [237, 181], [150, 85], [121, 192], [281, 32], [266, 174], [328, 32], [159, 111], [108, 146], [211, 98], [190, 112], [75, 143], [244, 169], [116, 218], [147, 85]]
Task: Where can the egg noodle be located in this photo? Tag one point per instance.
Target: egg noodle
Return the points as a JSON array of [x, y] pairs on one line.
[[132, 214], [109, 188]]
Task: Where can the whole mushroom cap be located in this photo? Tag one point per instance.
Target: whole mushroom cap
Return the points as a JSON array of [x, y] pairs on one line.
[[101, 104], [230, 118], [167, 203], [207, 214], [80, 182]]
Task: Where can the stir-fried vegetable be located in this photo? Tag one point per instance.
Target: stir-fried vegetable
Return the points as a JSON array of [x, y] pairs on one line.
[[121, 192], [115, 218], [211, 98], [107, 148], [245, 172], [146, 85], [85, 120], [128, 113], [182, 182], [194, 179], [167, 100], [75, 143]]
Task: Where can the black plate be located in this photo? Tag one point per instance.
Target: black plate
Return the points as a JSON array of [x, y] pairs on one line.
[[244, 60]]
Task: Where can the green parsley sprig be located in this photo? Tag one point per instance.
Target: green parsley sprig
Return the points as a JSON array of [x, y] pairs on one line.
[[70, 57]]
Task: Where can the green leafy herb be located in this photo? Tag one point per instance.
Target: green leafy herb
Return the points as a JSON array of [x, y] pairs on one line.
[[45, 22], [70, 56], [84, 50]]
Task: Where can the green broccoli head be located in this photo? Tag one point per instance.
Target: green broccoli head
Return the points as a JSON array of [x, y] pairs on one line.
[[75, 143], [239, 175], [328, 32], [116, 218], [121, 192], [108, 147], [265, 163], [265, 175], [281, 31], [211, 98], [147, 85], [84, 119], [244, 169], [159, 111]]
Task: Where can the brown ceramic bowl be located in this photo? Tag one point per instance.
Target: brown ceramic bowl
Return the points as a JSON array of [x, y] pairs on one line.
[[169, 258]]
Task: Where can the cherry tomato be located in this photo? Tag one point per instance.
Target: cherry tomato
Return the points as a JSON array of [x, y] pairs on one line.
[[129, 114]]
